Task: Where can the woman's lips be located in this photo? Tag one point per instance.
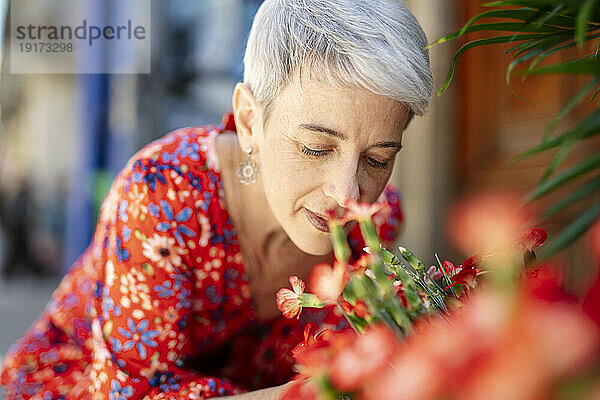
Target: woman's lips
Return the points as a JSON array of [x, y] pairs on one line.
[[318, 221]]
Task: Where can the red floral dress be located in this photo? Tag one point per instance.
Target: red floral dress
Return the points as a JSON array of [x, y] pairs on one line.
[[158, 306]]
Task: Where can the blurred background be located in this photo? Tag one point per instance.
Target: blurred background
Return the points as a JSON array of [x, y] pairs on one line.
[[64, 137]]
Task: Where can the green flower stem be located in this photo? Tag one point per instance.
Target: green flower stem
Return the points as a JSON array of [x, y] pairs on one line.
[[352, 324], [326, 389], [340, 245], [392, 264], [400, 326], [309, 300], [439, 289], [387, 256], [411, 259], [367, 228], [409, 284], [381, 276], [436, 299], [435, 294], [446, 277], [400, 316], [364, 288]]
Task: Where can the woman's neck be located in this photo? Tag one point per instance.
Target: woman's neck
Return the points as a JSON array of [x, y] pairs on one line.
[[270, 257], [246, 204]]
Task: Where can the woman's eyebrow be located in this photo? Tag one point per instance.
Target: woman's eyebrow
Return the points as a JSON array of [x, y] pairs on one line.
[[322, 129], [396, 145], [336, 134]]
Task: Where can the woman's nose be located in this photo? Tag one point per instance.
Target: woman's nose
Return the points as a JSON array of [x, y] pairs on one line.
[[342, 187]]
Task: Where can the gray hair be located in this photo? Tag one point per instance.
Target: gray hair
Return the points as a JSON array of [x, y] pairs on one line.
[[376, 45]]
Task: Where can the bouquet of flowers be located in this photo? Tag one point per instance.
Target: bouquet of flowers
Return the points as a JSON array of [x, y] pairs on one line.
[[426, 333]]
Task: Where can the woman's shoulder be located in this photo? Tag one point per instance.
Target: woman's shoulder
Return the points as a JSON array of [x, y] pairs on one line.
[[179, 170], [188, 149], [187, 155]]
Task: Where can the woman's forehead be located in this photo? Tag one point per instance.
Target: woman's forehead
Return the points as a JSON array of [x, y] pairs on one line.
[[338, 108]]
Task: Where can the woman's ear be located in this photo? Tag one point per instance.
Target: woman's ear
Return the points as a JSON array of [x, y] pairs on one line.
[[247, 115]]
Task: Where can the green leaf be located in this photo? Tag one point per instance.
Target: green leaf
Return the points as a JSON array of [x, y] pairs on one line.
[[563, 151], [523, 47], [573, 231], [509, 27], [535, 49], [483, 42], [586, 189], [547, 44], [560, 24], [541, 4], [570, 44], [532, 14], [573, 102], [447, 280], [582, 20], [552, 50], [522, 14], [590, 126], [587, 65], [139, 235], [595, 94], [567, 176], [550, 15]]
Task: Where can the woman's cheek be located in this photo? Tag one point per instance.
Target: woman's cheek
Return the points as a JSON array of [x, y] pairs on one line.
[[371, 185], [298, 180]]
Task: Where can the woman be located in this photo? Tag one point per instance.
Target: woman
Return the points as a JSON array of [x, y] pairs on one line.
[[175, 297]]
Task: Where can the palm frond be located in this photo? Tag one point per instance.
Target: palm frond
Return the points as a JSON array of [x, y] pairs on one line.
[[541, 28]]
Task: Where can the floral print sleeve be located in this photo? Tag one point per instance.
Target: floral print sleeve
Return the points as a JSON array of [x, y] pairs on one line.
[[133, 308], [146, 304]]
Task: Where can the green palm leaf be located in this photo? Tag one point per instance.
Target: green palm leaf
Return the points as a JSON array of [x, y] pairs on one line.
[[483, 42], [571, 104], [585, 190], [565, 177], [590, 127], [540, 29], [586, 66], [583, 20], [573, 231]]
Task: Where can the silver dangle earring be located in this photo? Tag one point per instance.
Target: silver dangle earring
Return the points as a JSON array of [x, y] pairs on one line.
[[248, 169]]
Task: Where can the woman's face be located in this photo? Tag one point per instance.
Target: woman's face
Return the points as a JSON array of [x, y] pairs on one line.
[[321, 146]]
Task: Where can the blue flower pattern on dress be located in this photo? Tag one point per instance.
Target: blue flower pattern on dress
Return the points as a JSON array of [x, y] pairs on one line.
[[120, 393], [139, 336], [122, 253], [175, 223], [164, 290]]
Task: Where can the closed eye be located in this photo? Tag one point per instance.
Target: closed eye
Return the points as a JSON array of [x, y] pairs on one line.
[[314, 152], [370, 161], [376, 163]]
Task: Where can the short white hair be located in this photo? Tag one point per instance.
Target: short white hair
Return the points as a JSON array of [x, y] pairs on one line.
[[376, 45]]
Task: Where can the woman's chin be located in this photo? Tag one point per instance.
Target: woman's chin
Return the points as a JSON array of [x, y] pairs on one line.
[[314, 245]]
